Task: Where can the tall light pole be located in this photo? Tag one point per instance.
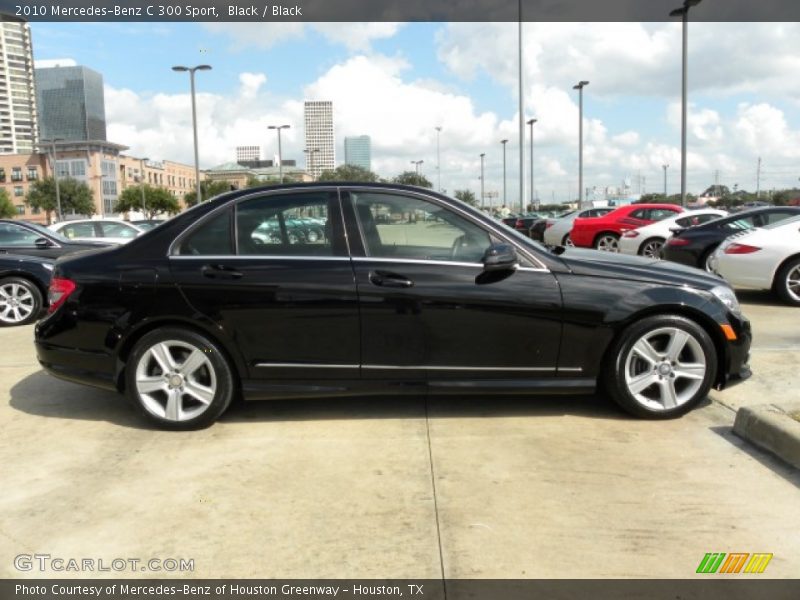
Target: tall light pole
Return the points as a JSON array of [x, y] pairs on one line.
[[533, 189], [483, 155], [141, 185], [520, 84], [192, 71], [683, 13], [310, 154], [52, 143], [416, 164], [504, 142], [438, 161], [579, 86], [280, 149], [665, 167]]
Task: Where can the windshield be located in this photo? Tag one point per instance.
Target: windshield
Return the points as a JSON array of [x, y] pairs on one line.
[[48, 232]]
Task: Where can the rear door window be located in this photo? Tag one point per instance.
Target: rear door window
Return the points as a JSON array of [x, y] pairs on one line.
[[214, 237]]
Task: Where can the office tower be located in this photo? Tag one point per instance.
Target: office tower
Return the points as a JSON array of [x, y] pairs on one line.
[[320, 154], [18, 116], [71, 103], [247, 153], [357, 151]]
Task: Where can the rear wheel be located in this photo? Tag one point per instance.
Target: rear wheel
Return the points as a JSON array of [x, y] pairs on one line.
[[20, 301], [179, 379], [652, 248], [661, 367], [787, 282], [706, 258], [567, 241], [607, 242]]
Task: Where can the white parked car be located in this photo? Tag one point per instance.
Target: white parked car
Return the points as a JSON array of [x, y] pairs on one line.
[[115, 231], [648, 240], [556, 231], [764, 258]]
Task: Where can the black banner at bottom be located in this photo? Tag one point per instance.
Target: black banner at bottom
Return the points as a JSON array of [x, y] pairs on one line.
[[420, 589]]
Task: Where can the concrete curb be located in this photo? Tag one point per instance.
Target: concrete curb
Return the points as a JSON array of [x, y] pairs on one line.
[[770, 428]]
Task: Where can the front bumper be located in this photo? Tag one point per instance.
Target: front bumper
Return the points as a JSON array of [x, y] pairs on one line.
[[736, 365]]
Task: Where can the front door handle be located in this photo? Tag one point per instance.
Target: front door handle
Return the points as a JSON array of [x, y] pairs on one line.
[[389, 279], [220, 272]]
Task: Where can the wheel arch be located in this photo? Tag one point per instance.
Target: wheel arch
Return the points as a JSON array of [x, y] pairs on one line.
[[28, 277], [780, 266], [603, 232], [652, 238], [126, 347]]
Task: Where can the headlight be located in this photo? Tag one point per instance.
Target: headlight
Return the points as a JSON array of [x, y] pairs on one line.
[[725, 295]]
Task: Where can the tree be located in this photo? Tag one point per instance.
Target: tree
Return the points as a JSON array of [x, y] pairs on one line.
[[157, 200], [76, 197], [348, 173], [7, 208], [209, 189], [467, 196], [412, 178]]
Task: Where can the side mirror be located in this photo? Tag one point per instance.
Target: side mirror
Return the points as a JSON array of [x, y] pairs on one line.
[[500, 257], [42, 243]]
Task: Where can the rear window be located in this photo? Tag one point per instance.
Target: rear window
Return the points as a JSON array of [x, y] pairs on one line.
[[212, 238]]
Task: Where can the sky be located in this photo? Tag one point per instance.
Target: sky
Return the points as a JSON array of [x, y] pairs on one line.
[[397, 82]]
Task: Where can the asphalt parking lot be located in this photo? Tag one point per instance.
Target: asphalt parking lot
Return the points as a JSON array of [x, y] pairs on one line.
[[506, 488]]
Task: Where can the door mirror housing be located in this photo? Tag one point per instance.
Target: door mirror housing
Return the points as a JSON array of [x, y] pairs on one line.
[[500, 257], [42, 243]]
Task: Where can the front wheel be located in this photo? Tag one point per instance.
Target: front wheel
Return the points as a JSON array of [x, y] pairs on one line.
[[661, 367], [607, 242], [20, 301], [179, 379], [787, 282]]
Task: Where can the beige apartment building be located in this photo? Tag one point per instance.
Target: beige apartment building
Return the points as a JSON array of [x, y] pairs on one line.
[[17, 173], [175, 177]]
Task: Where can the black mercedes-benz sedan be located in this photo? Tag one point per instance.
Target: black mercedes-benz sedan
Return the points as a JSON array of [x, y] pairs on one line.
[[32, 239], [405, 291], [695, 245]]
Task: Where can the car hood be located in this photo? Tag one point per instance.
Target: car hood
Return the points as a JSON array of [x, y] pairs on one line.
[[611, 265]]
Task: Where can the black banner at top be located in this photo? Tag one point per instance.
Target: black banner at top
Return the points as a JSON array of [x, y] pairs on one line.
[[399, 10]]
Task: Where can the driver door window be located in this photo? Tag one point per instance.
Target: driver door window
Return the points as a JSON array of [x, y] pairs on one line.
[[14, 235], [402, 227]]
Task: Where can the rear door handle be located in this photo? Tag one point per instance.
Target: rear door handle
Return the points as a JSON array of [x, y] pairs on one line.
[[389, 279], [220, 272]]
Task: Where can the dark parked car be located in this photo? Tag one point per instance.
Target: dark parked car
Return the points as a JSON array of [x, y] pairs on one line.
[[695, 245], [202, 309], [21, 237], [23, 287]]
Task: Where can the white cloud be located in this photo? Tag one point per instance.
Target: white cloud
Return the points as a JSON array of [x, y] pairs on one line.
[[54, 62]]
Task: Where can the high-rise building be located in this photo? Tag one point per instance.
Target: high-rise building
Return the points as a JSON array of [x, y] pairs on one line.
[[71, 104], [247, 153], [320, 155], [357, 151], [18, 116]]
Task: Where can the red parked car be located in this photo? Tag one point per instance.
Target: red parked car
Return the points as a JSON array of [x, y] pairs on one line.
[[603, 232]]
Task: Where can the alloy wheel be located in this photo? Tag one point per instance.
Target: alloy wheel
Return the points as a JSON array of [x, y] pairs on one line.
[[16, 303], [175, 380], [568, 242], [793, 283], [608, 243], [652, 249], [665, 368]]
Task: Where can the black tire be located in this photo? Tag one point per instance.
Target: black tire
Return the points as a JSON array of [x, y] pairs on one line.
[[566, 241], [617, 367], [789, 270], [215, 373], [607, 242], [29, 302]]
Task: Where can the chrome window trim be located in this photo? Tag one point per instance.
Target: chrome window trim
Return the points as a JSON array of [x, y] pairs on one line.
[[259, 257]]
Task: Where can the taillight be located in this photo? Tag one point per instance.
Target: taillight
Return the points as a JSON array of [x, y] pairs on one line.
[[631, 234], [741, 249], [58, 292], [520, 224], [677, 242]]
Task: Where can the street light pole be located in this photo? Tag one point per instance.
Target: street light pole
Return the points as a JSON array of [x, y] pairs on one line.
[[54, 159], [482, 188], [579, 86], [533, 189], [438, 161], [665, 167], [280, 150], [683, 12], [141, 185], [520, 85], [504, 142], [416, 164], [192, 71]]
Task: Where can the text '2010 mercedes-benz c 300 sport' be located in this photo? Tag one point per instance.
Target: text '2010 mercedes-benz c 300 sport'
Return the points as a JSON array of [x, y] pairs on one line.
[[320, 290]]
